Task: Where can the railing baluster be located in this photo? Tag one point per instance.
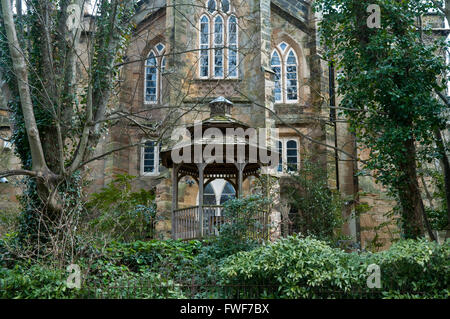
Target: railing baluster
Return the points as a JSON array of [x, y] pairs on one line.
[[189, 221]]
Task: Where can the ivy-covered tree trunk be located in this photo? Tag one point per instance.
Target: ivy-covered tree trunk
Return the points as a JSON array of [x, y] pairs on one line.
[[409, 194], [39, 67]]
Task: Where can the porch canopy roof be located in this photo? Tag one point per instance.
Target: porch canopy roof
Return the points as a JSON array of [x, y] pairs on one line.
[[225, 164]]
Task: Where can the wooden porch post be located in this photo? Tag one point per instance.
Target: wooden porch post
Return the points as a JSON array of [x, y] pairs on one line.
[[240, 177], [201, 182], [174, 197]]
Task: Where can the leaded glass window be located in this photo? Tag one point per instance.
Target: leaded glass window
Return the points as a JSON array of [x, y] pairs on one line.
[[151, 79], [291, 77], [276, 67], [218, 47]]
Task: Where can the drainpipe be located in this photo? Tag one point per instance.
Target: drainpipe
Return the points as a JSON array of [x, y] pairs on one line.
[[333, 118]]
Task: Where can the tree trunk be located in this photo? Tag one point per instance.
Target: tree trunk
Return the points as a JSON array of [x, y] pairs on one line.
[[409, 192], [21, 72], [46, 180]]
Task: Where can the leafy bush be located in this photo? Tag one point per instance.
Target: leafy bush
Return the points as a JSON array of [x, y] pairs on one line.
[[34, 282], [169, 256], [123, 214], [109, 280], [246, 226], [414, 268], [296, 266], [305, 267], [106, 281], [292, 267], [319, 207]]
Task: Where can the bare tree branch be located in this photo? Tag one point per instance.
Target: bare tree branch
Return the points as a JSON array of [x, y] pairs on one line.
[[18, 172], [21, 72]]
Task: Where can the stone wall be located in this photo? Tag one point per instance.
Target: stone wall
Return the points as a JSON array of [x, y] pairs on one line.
[[10, 190], [8, 160]]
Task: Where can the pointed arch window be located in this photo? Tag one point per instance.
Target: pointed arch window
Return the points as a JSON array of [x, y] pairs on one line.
[[291, 77], [212, 6], [227, 193], [151, 79], [218, 46], [232, 47], [284, 63], [154, 67], [276, 67], [225, 6], [209, 196], [218, 192], [204, 47], [219, 41]]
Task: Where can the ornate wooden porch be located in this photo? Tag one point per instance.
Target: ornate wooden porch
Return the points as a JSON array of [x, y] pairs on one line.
[[206, 220]]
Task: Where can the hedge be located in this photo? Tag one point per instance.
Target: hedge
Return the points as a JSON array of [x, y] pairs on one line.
[[296, 267]]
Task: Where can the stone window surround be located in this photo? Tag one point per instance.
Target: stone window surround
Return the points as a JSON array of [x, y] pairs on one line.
[[284, 140], [160, 56], [283, 54], [157, 170]]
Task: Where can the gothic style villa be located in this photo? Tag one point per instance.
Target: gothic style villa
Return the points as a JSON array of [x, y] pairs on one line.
[[228, 63]]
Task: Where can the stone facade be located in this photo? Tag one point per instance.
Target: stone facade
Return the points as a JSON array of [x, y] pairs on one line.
[[263, 25]]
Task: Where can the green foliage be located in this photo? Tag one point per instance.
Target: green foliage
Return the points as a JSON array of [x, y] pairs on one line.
[[34, 282], [292, 267], [248, 223], [8, 220], [7, 256], [121, 213], [169, 256], [307, 268], [296, 266], [320, 208], [109, 280], [388, 79], [414, 269], [437, 215]]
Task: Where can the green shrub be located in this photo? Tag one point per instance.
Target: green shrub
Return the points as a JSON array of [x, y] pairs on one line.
[[304, 267], [319, 207], [179, 261], [108, 280], [122, 214], [297, 267], [169, 256], [245, 229], [34, 282], [414, 268]]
